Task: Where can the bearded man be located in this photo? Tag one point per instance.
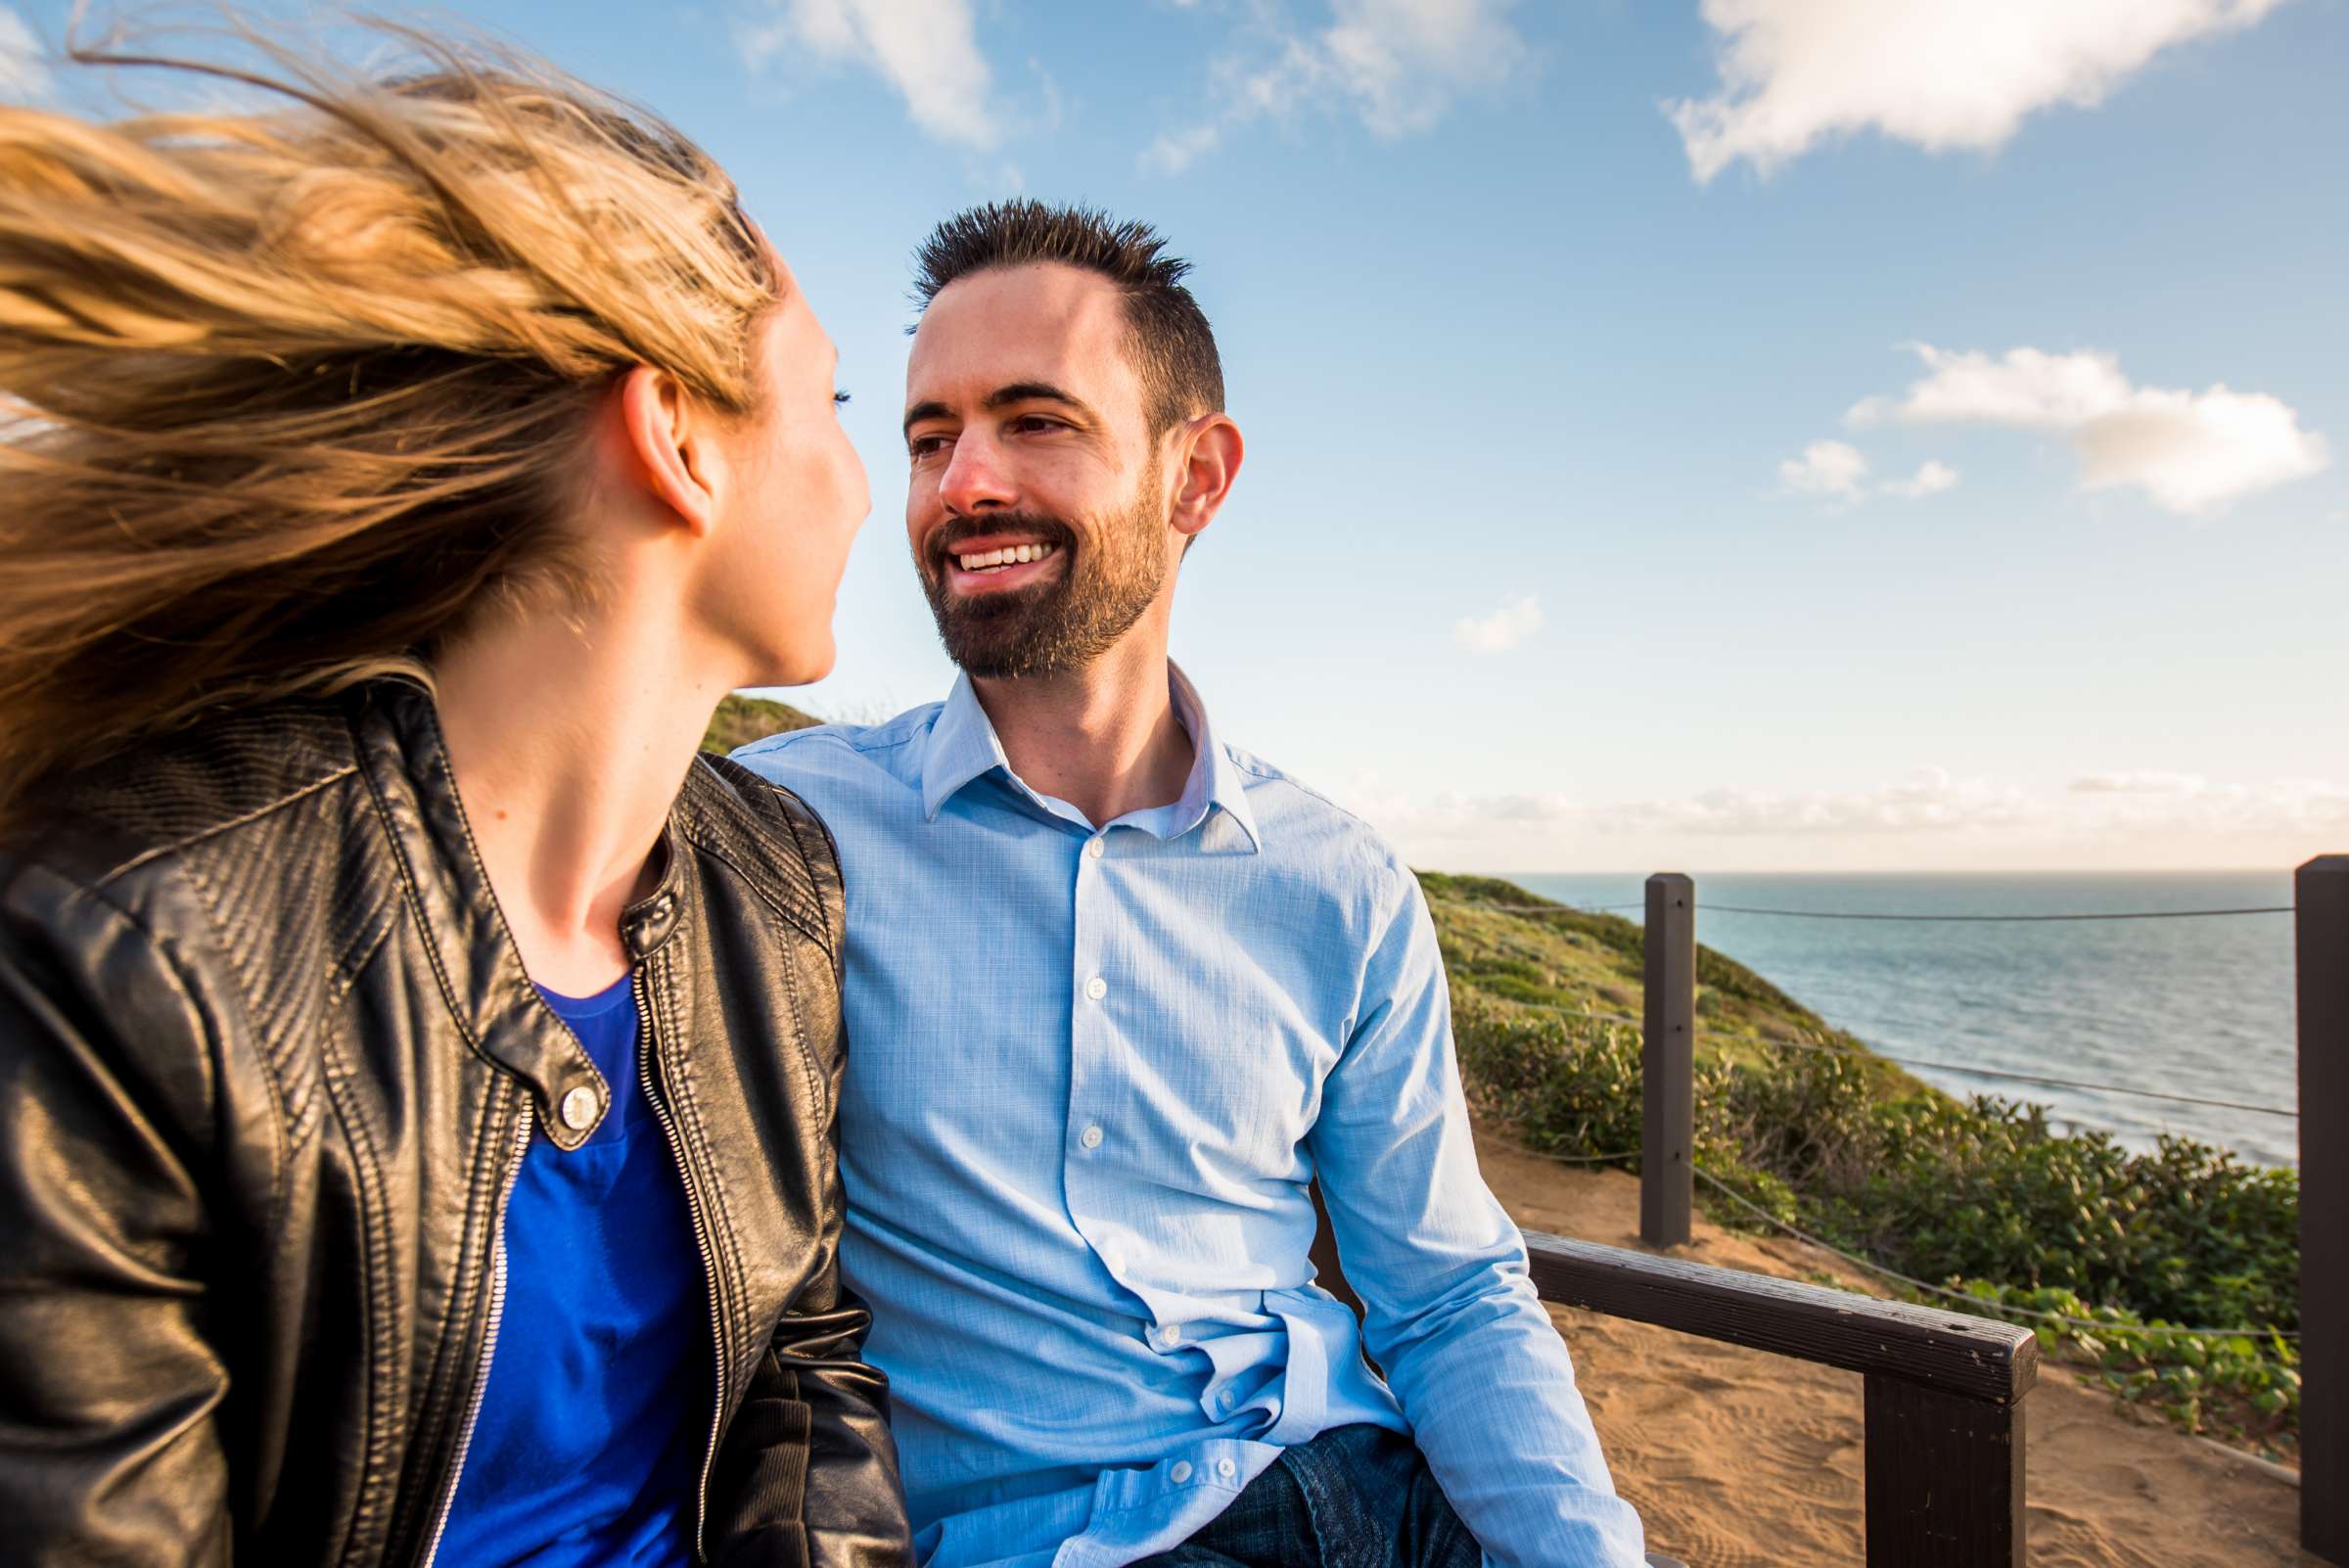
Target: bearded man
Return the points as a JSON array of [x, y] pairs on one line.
[[1119, 991]]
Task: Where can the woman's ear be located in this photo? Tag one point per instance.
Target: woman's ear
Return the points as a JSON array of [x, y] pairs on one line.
[[666, 449]]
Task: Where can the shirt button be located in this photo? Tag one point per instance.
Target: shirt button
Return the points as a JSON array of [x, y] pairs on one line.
[[578, 1109], [1167, 1335], [1227, 1469], [1180, 1473], [1097, 987], [1090, 1137], [1095, 847]]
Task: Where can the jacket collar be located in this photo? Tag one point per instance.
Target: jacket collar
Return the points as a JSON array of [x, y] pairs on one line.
[[963, 746], [404, 756]]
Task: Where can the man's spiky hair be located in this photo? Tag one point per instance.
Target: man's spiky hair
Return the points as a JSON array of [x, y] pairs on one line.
[[1174, 347]]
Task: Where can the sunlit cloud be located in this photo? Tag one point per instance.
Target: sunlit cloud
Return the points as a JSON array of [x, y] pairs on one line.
[[2191, 452], [1826, 467], [1930, 479], [1930, 800], [1398, 66], [2147, 808], [1941, 74], [1501, 630], [1838, 471], [2138, 781], [926, 50]]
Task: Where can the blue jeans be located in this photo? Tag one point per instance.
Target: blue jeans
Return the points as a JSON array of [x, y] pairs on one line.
[[1356, 1496]]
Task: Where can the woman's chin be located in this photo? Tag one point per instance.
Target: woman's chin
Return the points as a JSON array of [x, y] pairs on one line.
[[802, 667]]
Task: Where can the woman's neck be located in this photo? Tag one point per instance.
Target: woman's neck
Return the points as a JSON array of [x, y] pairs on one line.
[[570, 737]]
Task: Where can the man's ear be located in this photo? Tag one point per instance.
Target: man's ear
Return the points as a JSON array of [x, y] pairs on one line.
[[1211, 451], [665, 447]]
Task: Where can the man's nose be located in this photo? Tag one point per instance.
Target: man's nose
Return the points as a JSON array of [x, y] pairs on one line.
[[976, 476]]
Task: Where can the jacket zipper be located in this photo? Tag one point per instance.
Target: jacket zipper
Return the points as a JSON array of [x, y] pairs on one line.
[[497, 1312], [701, 1242]]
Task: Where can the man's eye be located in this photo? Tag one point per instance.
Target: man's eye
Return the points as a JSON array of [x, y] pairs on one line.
[[922, 447]]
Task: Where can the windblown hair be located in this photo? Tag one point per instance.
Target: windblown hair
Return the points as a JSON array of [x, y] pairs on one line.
[[291, 397], [1172, 345]]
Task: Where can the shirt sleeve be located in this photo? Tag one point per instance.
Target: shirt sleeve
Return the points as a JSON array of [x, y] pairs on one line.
[[1451, 1312]]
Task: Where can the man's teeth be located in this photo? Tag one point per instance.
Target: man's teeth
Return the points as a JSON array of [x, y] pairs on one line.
[[1014, 555]]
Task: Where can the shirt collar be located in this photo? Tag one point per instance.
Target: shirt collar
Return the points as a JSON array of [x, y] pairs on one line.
[[1216, 780], [963, 746]]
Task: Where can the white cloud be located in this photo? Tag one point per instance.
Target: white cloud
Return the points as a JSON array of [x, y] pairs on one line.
[[23, 74], [2189, 805], [1930, 800], [1940, 73], [928, 50], [2138, 781], [1500, 630], [2191, 452], [1931, 479], [1839, 470], [1398, 64], [1932, 818], [1826, 467]]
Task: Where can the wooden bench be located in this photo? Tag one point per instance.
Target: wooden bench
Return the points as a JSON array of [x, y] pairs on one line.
[[1943, 1391]]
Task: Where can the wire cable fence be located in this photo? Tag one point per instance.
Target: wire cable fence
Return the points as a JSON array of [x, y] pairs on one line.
[[1532, 909], [1854, 914], [2010, 1077], [1561, 1159], [1981, 1304]]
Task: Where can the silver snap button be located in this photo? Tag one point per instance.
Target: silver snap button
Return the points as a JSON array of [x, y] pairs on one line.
[[1180, 1473], [578, 1109], [1097, 987], [1090, 1137], [1095, 849]]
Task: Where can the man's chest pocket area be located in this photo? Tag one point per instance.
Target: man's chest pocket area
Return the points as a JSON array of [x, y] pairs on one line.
[[1227, 1088]]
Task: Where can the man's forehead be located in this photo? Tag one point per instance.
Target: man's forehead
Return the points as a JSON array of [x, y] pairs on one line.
[[1043, 321]]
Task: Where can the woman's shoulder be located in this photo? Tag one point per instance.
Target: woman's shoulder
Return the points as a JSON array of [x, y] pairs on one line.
[[234, 776], [764, 832]]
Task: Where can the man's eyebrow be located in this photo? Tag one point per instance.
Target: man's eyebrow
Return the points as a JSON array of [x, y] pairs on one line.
[[1018, 391], [1033, 392]]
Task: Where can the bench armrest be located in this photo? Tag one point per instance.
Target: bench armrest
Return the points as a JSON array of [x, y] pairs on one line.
[[1948, 1351]]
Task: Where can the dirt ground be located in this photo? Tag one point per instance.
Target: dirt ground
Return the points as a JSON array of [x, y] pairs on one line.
[[1737, 1458]]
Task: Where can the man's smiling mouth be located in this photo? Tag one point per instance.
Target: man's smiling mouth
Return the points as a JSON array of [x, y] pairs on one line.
[[986, 561]]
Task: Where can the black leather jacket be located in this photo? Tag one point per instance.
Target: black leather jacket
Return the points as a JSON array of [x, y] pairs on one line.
[[268, 1062]]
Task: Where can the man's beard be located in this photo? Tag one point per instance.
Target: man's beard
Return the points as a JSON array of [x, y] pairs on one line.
[[1061, 626]]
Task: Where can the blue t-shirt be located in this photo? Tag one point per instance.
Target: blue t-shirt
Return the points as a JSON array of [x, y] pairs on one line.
[[589, 1446]]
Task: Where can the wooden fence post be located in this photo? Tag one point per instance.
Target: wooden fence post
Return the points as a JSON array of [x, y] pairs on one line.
[[2320, 900], [1668, 1063]]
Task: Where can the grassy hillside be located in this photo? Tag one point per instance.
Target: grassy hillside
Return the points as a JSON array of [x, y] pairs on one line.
[[1591, 963], [741, 719]]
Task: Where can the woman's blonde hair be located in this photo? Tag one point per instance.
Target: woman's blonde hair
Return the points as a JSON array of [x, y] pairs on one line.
[[288, 397]]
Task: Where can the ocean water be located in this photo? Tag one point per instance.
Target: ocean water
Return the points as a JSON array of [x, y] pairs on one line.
[[2198, 1007]]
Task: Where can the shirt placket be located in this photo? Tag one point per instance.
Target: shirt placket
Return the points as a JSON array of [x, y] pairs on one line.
[[1092, 1035]]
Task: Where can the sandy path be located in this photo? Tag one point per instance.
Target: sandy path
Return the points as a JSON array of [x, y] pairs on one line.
[[1741, 1459]]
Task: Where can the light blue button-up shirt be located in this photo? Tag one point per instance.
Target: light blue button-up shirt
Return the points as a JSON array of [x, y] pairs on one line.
[[1091, 1073]]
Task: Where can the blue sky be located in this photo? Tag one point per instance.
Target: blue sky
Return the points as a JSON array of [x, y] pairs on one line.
[[1925, 447]]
